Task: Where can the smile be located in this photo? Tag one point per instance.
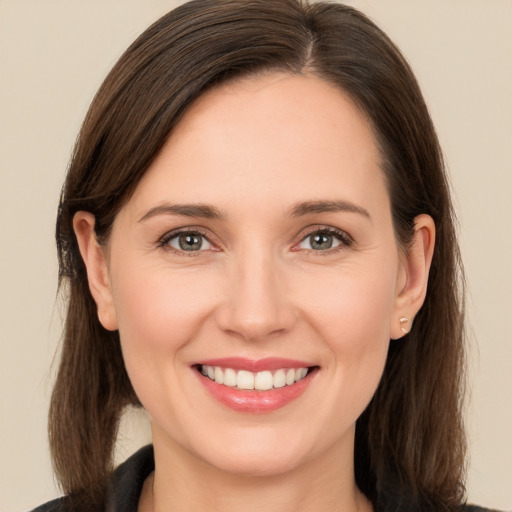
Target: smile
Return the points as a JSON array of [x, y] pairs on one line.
[[259, 381], [255, 386]]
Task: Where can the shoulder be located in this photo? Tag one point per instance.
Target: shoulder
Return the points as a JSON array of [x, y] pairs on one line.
[[124, 487], [58, 505], [475, 508], [65, 504]]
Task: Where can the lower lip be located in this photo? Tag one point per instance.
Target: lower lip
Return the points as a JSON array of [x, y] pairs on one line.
[[256, 402]]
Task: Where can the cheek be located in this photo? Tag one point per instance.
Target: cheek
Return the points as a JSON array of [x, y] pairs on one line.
[[353, 316], [158, 305], [354, 305], [159, 312]]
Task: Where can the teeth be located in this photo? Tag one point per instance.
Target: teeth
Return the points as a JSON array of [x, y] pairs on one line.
[[229, 377], [279, 379], [245, 380], [219, 375], [263, 381], [260, 381], [300, 373]]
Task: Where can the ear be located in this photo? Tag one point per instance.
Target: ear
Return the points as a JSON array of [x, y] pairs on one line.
[[413, 280], [95, 261]]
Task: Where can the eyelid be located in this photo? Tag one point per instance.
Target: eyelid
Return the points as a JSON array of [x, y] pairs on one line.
[[342, 235], [346, 239], [163, 241]]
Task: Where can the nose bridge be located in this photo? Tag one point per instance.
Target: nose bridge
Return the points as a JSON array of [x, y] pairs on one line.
[[257, 304]]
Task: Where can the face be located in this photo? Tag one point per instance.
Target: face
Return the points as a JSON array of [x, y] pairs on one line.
[[258, 243]]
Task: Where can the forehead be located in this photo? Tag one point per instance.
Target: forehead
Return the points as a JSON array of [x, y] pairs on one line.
[[274, 136], [277, 108]]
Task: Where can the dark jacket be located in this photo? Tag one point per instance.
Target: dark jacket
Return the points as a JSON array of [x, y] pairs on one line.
[[126, 486]]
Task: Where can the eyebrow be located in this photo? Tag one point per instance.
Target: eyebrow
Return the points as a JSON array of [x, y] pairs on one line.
[[204, 211], [312, 207], [301, 209]]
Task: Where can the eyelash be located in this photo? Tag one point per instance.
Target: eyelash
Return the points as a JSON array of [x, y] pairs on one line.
[[345, 239], [164, 241]]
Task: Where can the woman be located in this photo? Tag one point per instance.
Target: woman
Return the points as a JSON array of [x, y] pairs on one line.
[[247, 234]]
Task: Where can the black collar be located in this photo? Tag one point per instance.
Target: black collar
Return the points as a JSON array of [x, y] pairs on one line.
[[126, 484]]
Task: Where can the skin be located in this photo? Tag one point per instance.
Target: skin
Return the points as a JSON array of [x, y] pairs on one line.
[[254, 149]]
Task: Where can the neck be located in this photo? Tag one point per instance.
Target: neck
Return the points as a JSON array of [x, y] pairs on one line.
[[184, 483]]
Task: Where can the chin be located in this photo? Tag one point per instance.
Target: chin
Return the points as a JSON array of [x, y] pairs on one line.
[[262, 464], [255, 455]]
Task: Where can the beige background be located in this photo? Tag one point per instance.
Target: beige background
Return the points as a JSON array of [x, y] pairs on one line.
[[53, 56]]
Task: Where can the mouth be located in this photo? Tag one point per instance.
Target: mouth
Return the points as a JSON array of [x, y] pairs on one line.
[[257, 381], [255, 386]]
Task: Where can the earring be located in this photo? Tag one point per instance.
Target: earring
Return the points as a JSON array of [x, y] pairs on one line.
[[403, 321]]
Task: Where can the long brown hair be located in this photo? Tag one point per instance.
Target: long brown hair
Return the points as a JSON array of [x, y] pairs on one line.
[[410, 443]]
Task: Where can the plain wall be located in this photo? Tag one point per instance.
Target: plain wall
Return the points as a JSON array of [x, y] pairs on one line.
[[54, 55]]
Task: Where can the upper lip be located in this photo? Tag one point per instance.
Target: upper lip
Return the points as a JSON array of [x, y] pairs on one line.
[[255, 365]]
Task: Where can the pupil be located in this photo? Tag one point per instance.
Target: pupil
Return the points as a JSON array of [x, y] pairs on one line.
[[321, 241], [190, 242]]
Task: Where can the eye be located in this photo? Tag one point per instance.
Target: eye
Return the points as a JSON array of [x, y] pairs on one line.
[[324, 240], [188, 241]]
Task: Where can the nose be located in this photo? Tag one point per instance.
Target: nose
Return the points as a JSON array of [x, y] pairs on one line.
[[256, 304]]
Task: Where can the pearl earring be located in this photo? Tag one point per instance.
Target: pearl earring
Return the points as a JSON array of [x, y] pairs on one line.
[[403, 321]]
